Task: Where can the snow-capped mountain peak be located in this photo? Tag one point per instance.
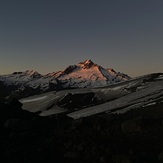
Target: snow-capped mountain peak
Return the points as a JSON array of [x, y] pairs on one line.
[[87, 64], [89, 74], [85, 74], [32, 73]]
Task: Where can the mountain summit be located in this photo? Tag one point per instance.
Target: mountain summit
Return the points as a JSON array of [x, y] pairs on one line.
[[88, 74], [85, 74], [87, 64]]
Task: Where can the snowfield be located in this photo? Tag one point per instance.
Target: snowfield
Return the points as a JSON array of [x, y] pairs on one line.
[[115, 99]]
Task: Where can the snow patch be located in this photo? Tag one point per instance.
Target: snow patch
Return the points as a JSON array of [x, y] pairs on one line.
[[153, 103], [34, 99]]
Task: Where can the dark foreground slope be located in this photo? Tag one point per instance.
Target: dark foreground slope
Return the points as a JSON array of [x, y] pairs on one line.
[[132, 137]]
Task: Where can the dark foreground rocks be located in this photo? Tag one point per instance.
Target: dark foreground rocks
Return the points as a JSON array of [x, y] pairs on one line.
[[133, 137]]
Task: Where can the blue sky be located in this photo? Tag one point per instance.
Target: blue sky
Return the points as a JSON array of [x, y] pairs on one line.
[[49, 35]]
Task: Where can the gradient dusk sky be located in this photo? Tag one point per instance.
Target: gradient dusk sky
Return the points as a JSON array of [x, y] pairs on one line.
[[49, 35]]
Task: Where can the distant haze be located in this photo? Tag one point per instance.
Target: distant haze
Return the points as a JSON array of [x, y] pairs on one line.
[[47, 35]]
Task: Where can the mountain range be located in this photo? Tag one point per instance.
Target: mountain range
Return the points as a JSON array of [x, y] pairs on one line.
[[83, 75], [104, 120]]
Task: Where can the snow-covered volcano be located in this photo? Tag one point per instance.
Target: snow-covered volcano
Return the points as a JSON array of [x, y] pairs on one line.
[[88, 74], [83, 75]]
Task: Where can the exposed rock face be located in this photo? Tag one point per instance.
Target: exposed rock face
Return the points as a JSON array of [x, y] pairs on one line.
[[87, 64], [78, 101], [69, 69]]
